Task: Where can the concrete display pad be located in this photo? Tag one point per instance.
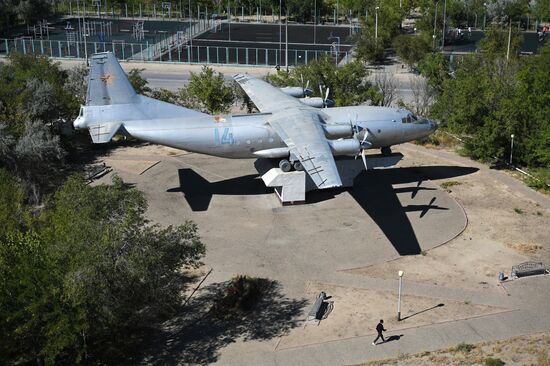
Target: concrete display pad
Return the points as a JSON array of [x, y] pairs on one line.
[[387, 213]]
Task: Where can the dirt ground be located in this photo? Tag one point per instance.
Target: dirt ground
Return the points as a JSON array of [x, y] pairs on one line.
[[503, 230], [526, 350], [355, 313]]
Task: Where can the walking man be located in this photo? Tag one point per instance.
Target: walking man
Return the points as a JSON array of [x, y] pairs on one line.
[[380, 329]]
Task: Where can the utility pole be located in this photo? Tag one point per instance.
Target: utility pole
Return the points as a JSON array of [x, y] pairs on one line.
[[314, 21], [508, 50], [444, 24], [511, 148], [484, 14], [435, 23], [286, 40], [190, 33], [376, 24], [280, 34], [229, 18]]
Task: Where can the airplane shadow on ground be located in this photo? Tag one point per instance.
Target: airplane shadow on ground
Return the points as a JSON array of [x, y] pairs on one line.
[[373, 191], [197, 335]]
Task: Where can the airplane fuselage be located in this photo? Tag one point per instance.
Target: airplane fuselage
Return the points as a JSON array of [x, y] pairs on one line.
[[243, 136]]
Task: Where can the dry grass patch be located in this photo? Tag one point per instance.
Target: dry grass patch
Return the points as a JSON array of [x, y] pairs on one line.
[[523, 350], [525, 248]]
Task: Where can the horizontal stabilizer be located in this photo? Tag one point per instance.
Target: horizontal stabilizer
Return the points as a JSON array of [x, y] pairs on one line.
[[103, 133]]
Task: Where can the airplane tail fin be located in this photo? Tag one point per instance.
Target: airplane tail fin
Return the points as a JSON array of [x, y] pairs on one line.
[[108, 84], [112, 104]]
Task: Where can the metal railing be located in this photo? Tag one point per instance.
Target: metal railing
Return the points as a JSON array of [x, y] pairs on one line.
[[172, 49]]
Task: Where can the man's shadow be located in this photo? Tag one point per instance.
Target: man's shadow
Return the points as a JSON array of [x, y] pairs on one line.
[[394, 338]]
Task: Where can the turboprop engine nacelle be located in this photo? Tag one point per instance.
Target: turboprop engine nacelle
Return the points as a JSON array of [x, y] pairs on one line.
[[317, 102], [337, 131], [297, 91], [345, 147]]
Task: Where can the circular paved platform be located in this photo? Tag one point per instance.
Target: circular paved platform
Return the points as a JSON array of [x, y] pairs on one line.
[[388, 213]]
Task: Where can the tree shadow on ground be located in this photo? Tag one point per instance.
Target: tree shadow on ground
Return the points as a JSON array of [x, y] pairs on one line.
[[198, 334]]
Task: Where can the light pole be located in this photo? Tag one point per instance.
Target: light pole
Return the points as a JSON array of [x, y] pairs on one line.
[[444, 21], [400, 273], [228, 18], [435, 22], [315, 22], [511, 148], [484, 14], [376, 24], [280, 34]]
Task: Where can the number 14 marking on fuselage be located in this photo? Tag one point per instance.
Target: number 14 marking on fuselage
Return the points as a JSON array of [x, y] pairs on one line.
[[226, 136]]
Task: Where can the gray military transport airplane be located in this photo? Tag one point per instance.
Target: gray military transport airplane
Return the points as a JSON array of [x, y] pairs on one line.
[[299, 136]]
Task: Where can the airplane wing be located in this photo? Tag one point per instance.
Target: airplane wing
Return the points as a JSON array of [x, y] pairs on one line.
[[301, 131], [264, 95], [298, 126]]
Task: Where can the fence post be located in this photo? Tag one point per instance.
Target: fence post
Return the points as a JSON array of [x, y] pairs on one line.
[[207, 54], [217, 54], [246, 57], [267, 57], [41, 47], [226, 55], [59, 48], [188, 54], [24, 47]]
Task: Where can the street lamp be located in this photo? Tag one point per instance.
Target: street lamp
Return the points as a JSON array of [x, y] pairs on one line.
[[435, 22], [400, 273], [444, 24], [376, 24], [484, 14], [511, 148]]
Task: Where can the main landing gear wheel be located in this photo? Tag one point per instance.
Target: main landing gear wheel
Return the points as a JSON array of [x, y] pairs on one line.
[[386, 151], [298, 166], [285, 165]]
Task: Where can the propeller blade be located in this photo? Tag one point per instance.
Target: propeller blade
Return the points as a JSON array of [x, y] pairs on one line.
[[364, 159], [320, 91], [326, 94], [365, 136]]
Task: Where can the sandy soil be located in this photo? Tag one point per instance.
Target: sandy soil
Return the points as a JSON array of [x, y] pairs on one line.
[[525, 350], [357, 311], [503, 230]]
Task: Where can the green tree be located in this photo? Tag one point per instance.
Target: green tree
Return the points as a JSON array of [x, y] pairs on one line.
[[411, 49], [435, 68], [139, 83], [495, 42], [91, 272], [11, 204], [348, 84], [209, 89], [33, 88], [491, 98]]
